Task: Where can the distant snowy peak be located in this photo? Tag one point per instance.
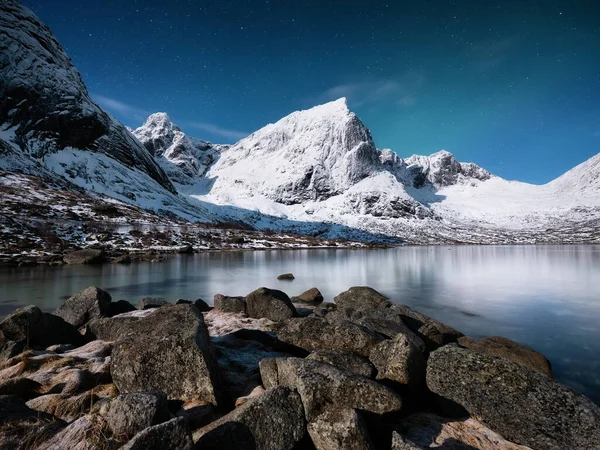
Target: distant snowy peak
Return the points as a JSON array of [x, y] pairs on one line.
[[442, 169], [185, 159], [308, 155], [582, 178]]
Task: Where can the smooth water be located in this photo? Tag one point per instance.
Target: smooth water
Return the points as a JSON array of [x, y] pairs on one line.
[[547, 297]]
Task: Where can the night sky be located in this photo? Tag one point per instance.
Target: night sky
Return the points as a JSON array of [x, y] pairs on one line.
[[513, 86]]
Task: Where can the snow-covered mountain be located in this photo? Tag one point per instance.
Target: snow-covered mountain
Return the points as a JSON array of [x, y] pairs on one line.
[[49, 126], [183, 158]]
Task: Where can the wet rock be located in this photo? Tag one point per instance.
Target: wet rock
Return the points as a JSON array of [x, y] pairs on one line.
[[322, 387], [85, 256], [269, 304], [311, 297], [121, 307], [149, 303], [128, 414], [339, 429], [34, 328], [399, 360], [202, 305], [286, 276], [424, 431], [362, 297], [523, 405], [505, 348], [228, 304], [313, 333], [272, 421], [109, 328], [83, 306], [348, 361], [168, 351], [172, 435]]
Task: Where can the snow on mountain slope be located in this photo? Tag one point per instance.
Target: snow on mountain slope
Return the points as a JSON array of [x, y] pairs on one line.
[[308, 155], [183, 158]]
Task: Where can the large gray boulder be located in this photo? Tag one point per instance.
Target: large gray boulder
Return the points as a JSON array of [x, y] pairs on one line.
[[270, 304], [322, 387], [523, 405], [362, 297], [172, 435], [399, 360], [167, 351], [128, 414], [348, 361], [311, 297], [339, 429], [83, 306], [314, 333], [33, 328], [85, 256], [228, 304], [109, 328], [505, 348], [272, 421]]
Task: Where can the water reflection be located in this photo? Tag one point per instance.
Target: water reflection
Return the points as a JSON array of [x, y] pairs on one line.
[[547, 297]]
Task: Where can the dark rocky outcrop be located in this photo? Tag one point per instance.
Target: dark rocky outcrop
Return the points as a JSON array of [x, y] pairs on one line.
[[128, 414], [340, 429], [167, 351], [121, 307], [269, 304], [362, 297], [33, 328], [230, 304], [399, 360], [272, 421], [150, 303], [314, 333], [522, 405], [323, 387], [505, 348], [202, 305], [85, 256], [348, 361], [172, 435], [311, 297], [83, 306]]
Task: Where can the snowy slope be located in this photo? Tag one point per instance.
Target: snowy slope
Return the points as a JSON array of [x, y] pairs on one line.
[[183, 158]]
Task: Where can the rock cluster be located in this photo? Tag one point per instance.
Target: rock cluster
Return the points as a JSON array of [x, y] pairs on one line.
[[255, 373]]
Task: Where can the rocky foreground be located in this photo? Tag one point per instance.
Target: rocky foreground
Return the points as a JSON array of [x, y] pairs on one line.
[[269, 372]]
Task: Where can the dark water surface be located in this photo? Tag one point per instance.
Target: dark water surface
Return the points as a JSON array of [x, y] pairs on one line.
[[547, 297]]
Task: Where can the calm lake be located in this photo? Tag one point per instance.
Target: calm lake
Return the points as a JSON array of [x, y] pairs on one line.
[[547, 297]]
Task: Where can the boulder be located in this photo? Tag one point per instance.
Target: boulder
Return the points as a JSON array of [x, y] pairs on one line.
[[311, 297], [10, 349], [324, 308], [286, 276], [87, 432], [434, 333], [272, 421], [399, 360], [339, 429], [269, 304], [228, 304], [150, 303], [381, 321], [348, 361], [505, 348], [181, 301], [120, 307], [85, 256], [202, 305], [268, 372], [424, 431], [186, 250], [313, 333], [128, 414], [172, 435], [322, 387], [523, 405], [109, 328], [168, 351], [33, 328], [362, 297], [83, 306]]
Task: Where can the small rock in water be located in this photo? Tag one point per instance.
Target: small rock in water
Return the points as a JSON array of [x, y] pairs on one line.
[[286, 276]]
